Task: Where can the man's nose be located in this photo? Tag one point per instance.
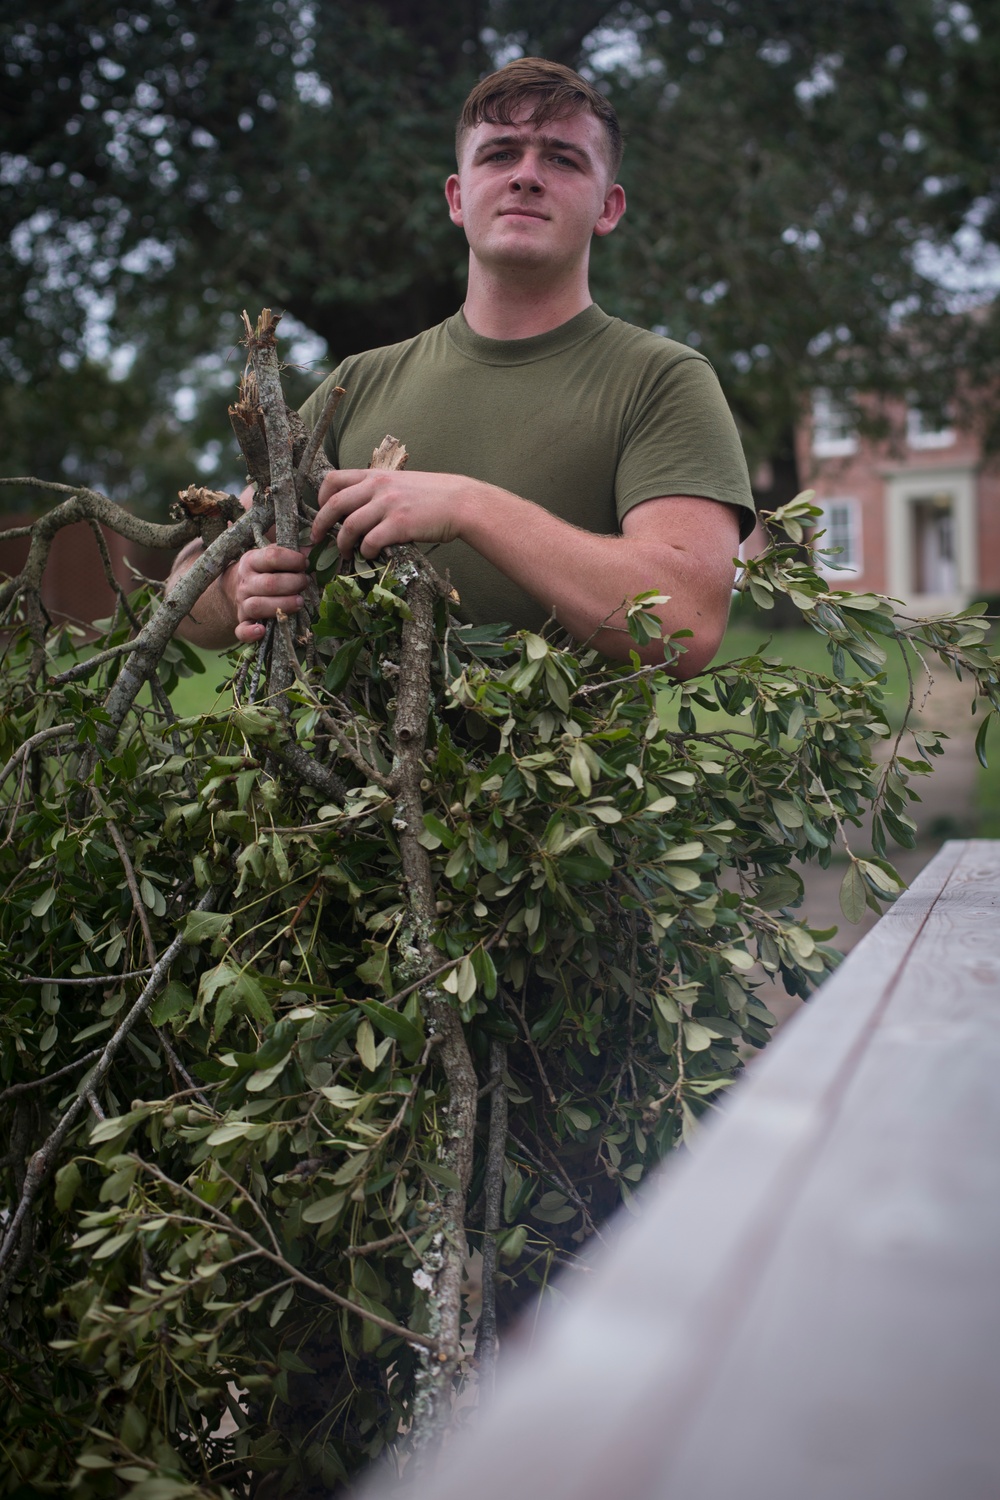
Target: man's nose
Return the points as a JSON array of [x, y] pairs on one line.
[[525, 178]]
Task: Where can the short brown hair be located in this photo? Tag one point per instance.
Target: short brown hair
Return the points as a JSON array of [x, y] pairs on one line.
[[553, 90]]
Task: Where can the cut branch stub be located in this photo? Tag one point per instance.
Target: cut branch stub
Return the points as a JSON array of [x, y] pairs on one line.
[[210, 510]]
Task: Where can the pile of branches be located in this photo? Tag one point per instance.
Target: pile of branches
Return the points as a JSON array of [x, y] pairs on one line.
[[338, 1019]]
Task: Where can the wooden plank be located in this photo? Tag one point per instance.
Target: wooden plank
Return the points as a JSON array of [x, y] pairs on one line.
[[806, 1293], [876, 1324]]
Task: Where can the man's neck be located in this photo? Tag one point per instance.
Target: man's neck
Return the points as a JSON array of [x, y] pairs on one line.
[[506, 307]]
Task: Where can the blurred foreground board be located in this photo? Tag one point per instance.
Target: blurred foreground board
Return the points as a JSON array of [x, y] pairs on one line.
[[809, 1306]]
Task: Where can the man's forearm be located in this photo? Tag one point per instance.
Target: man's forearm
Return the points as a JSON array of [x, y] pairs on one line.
[[584, 579], [212, 622]]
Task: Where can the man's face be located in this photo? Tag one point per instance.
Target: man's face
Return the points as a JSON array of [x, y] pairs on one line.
[[532, 196]]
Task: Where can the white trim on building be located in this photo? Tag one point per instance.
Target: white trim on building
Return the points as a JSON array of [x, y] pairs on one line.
[[931, 536], [841, 522], [834, 431]]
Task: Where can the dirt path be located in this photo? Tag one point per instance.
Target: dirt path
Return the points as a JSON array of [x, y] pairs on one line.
[[946, 810]]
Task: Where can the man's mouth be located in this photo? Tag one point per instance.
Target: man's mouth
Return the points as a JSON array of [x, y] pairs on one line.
[[521, 213]]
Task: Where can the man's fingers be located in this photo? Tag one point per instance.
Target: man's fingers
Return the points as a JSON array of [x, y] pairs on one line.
[[271, 585], [274, 559], [337, 480], [342, 502]]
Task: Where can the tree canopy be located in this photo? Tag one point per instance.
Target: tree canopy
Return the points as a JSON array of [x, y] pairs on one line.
[[796, 173]]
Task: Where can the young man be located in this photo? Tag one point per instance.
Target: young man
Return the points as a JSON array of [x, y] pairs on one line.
[[561, 461]]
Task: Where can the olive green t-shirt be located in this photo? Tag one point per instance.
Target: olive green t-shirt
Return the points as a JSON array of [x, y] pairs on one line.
[[587, 420]]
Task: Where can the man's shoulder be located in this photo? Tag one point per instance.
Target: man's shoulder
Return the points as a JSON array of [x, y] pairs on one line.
[[651, 347], [386, 356]]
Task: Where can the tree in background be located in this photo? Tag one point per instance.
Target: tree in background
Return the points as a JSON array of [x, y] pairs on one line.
[[791, 168]]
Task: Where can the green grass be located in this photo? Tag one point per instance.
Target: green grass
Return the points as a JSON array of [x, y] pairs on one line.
[[199, 693]]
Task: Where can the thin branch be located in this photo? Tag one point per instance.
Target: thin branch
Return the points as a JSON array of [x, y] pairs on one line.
[[486, 1339], [319, 432], [554, 1172], [443, 1260], [84, 979], [138, 905], [152, 640], [374, 1246], [261, 342], [56, 731], [16, 1089], [526, 1030], [42, 1163], [292, 1272], [84, 668]]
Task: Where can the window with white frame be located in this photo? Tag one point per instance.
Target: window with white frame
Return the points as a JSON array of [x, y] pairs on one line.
[[926, 432], [834, 433], [840, 523]]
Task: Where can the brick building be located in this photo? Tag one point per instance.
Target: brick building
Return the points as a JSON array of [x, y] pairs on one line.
[[916, 514]]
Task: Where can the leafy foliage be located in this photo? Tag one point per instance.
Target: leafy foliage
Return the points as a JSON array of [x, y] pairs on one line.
[[227, 1283]]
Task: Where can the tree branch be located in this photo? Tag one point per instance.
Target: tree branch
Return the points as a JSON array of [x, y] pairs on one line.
[[151, 642], [231, 1227], [486, 1339], [43, 1161], [432, 1408], [56, 731]]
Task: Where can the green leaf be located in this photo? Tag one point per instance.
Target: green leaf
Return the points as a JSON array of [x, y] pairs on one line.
[[204, 926], [175, 998], [394, 1024], [443, 1175], [324, 1209], [68, 1180], [697, 1038], [44, 901], [853, 898], [981, 742], [364, 1043]]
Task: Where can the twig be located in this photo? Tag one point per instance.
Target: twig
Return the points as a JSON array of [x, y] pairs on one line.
[[83, 668], [486, 1340], [263, 651], [444, 1261], [56, 731], [319, 432], [138, 905], [176, 1066], [310, 770], [374, 1246], [540, 1066], [43, 1161], [261, 342], [151, 642], [85, 979], [279, 1260], [16, 1089], [561, 1178]]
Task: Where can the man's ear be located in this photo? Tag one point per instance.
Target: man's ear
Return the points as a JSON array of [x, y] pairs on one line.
[[453, 193], [614, 207]]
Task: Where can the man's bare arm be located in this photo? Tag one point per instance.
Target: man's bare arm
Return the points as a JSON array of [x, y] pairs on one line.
[[682, 546]]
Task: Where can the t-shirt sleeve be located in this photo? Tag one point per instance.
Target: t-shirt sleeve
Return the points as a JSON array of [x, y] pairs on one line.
[[682, 440]]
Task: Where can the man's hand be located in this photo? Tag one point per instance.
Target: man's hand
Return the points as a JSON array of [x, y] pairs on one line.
[[259, 584], [380, 507]]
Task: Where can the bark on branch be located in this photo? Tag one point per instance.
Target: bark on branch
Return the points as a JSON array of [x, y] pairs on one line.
[[435, 1380]]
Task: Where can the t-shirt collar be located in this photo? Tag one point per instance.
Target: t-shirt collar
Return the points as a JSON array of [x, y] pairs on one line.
[[524, 351]]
